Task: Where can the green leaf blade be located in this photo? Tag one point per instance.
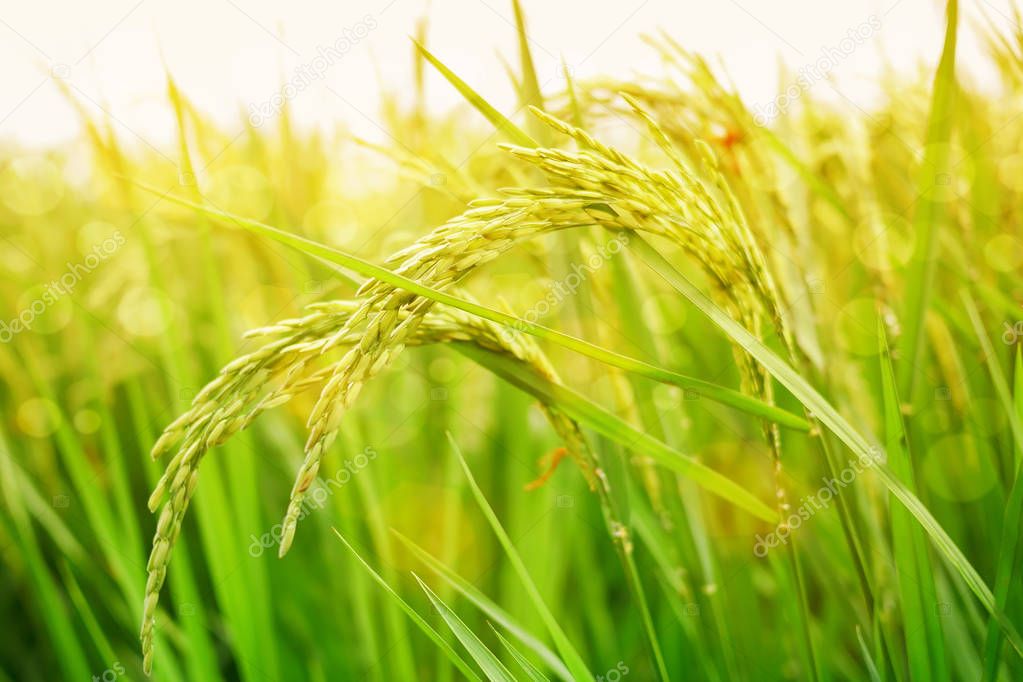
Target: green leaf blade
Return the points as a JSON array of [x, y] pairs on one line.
[[568, 653], [487, 660]]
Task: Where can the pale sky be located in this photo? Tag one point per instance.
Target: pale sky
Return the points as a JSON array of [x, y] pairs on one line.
[[231, 55]]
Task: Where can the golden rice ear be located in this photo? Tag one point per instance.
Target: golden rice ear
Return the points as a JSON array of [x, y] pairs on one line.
[[597, 185]]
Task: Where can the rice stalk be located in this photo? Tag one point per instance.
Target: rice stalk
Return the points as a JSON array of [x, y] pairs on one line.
[[271, 376], [594, 186]]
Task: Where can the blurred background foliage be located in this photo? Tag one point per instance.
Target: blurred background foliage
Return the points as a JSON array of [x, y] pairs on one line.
[[110, 361]]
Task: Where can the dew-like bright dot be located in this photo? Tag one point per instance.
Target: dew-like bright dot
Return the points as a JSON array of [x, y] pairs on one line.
[[956, 470], [31, 186], [87, 421], [443, 370], [666, 398], [885, 242], [144, 312], [1010, 171], [38, 417], [1004, 252], [664, 313]]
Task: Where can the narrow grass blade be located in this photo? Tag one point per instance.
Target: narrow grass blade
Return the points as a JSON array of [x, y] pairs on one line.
[[997, 378], [1009, 542], [529, 87], [414, 616], [811, 178], [116, 455], [100, 515], [85, 612], [528, 668], [600, 420], [213, 522], [929, 210], [710, 391], [642, 322], [573, 99], [490, 663], [200, 662], [924, 641], [530, 83], [32, 500], [499, 121], [867, 659], [572, 659], [400, 656], [484, 604], [829, 416], [72, 659]]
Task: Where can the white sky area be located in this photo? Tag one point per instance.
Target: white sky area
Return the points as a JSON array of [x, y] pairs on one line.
[[228, 55]]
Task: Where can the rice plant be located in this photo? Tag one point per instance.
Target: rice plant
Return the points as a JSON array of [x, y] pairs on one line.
[[714, 398]]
